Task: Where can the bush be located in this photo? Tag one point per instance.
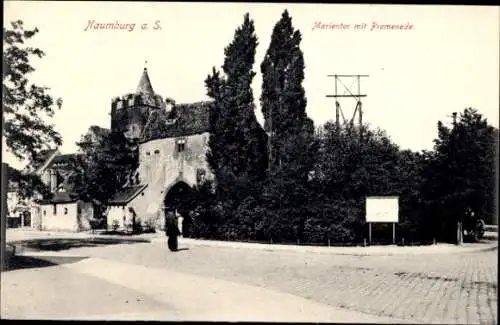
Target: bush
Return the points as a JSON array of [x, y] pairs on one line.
[[149, 226], [115, 225], [137, 227]]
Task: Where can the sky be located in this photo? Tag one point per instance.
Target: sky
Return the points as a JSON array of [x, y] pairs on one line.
[[448, 60]]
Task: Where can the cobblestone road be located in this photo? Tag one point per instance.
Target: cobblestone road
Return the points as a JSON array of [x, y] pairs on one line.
[[453, 288]]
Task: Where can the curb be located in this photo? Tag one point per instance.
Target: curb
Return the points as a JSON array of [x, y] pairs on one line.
[[337, 250], [353, 251]]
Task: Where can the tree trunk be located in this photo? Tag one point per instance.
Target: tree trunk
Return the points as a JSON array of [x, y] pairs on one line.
[[460, 239]]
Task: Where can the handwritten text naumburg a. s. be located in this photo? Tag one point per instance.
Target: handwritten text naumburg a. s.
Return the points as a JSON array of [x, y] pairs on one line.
[[93, 25]]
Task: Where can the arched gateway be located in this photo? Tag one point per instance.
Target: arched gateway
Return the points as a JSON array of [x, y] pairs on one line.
[[180, 199]]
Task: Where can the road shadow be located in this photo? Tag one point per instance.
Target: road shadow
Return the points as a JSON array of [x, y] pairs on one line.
[[21, 262], [60, 244], [179, 250]]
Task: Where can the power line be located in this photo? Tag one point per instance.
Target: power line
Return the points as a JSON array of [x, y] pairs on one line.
[[358, 109]]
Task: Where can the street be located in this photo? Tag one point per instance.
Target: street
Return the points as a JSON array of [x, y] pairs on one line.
[[143, 280]]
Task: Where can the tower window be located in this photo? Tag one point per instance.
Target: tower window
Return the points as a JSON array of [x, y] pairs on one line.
[[200, 175], [148, 153], [181, 145], [157, 152]]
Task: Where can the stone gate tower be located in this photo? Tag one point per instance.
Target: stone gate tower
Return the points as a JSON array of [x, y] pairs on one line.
[[130, 113], [172, 142]]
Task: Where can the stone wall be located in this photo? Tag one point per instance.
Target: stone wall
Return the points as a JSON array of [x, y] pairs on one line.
[[86, 214], [161, 166], [73, 216], [64, 218]]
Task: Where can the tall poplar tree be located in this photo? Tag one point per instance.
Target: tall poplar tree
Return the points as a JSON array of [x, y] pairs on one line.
[[237, 144], [292, 146], [284, 103]]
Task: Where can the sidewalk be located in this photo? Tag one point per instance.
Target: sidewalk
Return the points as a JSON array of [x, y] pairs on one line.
[[14, 235], [336, 250]]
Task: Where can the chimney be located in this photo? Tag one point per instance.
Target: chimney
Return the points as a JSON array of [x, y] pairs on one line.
[[53, 181], [169, 104]]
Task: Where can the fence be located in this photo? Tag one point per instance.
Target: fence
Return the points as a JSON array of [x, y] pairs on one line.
[[3, 251]]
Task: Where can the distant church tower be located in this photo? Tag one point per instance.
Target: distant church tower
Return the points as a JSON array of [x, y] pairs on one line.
[[130, 113]]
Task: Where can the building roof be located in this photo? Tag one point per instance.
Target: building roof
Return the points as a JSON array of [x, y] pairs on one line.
[[182, 120], [65, 161], [126, 194], [61, 197], [98, 130], [40, 160], [144, 85]]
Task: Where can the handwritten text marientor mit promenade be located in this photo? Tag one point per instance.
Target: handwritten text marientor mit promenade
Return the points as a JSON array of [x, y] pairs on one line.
[[375, 26]]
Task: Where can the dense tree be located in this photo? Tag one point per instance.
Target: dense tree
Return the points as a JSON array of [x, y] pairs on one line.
[[237, 144], [28, 185], [461, 173], [26, 106], [108, 160], [348, 170], [292, 147], [284, 103]]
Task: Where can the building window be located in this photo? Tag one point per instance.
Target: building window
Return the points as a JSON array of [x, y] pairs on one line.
[[44, 212], [200, 175], [54, 207], [181, 145], [157, 152], [65, 210], [148, 153]]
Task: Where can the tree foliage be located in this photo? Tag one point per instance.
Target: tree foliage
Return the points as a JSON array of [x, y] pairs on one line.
[[284, 103], [237, 144], [461, 172], [27, 185], [25, 105], [107, 162]]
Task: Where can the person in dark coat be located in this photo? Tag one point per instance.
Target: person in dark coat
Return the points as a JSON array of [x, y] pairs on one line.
[[172, 231]]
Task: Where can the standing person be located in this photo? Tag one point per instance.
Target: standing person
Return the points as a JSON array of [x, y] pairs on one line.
[[133, 220], [172, 231]]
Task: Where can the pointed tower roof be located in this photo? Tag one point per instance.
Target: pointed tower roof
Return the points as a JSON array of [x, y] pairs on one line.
[[145, 84]]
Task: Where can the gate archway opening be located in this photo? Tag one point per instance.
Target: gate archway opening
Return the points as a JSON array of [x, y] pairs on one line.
[[180, 199]]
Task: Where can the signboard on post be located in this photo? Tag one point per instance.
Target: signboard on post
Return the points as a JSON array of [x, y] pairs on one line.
[[382, 209]]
